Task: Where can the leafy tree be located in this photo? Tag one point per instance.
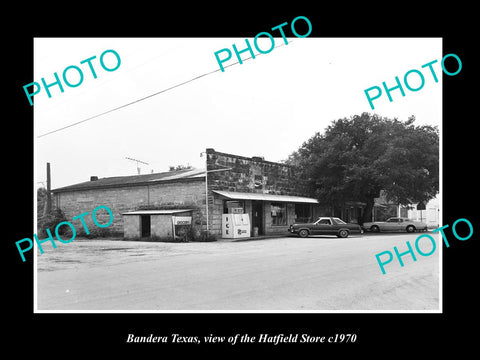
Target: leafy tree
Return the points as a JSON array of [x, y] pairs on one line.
[[179, 167], [357, 157], [47, 220], [41, 201]]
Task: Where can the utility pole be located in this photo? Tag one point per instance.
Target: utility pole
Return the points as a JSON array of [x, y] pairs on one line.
[[49, 195], [137, 161]]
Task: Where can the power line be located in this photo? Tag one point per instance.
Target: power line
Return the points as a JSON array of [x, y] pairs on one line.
[[125, 105], [148, 96]]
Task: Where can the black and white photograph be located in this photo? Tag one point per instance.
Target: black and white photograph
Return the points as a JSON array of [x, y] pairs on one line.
[[255, 188], [273, 183]]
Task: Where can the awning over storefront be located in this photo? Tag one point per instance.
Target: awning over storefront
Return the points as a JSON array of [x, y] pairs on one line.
[[265, 197]]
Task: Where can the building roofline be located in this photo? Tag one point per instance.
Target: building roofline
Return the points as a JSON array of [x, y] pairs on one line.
[[94, 185], [253, 158]]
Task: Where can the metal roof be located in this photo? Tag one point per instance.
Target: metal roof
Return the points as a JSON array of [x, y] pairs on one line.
[[265, 197], [119, 181]]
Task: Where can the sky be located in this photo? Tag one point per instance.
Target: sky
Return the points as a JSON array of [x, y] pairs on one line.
[[267, 106]]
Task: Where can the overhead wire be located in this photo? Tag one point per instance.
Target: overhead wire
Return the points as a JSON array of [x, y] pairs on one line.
[[149, 96]]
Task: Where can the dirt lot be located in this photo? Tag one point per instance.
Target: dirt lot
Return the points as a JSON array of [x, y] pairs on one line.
[[316, 273]]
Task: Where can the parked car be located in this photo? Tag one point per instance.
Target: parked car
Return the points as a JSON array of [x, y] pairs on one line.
[[325, 226], [395, 224]]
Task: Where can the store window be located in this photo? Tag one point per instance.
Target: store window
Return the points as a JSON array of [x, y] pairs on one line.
[[279, 213]]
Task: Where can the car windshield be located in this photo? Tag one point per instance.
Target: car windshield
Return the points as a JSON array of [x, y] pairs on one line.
[[338, 221]]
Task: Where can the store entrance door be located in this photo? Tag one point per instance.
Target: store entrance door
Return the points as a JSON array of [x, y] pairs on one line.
[[257, 217]]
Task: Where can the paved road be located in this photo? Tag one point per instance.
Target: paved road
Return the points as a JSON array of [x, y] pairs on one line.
[[316, 273]]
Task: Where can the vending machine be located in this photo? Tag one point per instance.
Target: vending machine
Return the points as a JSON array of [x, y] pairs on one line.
[[235, 226]]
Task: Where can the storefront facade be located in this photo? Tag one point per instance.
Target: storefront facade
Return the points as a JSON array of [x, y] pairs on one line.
[[270, 193]]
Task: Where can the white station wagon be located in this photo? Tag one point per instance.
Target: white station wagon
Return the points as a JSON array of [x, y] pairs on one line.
[[395, 224]]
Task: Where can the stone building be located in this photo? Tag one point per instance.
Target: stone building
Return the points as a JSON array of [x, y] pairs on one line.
[[173, 190], [271, 193], [144, 205]]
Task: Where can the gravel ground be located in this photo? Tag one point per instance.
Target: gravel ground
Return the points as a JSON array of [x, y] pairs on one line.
[[276, 274]]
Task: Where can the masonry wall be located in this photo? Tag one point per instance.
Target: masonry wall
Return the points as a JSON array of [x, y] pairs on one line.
[[215, 209], [181, 194], [250, 175], [161, 226], [131, 226]]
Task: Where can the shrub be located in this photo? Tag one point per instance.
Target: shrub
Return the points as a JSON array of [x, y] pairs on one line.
[[50, 221], [205, 237]]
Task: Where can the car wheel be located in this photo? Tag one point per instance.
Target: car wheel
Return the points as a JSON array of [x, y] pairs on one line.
[[410, 229], [343, 233], [375, 228], [303, 233]]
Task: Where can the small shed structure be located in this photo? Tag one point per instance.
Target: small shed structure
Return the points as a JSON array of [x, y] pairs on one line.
[[170, 224]]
